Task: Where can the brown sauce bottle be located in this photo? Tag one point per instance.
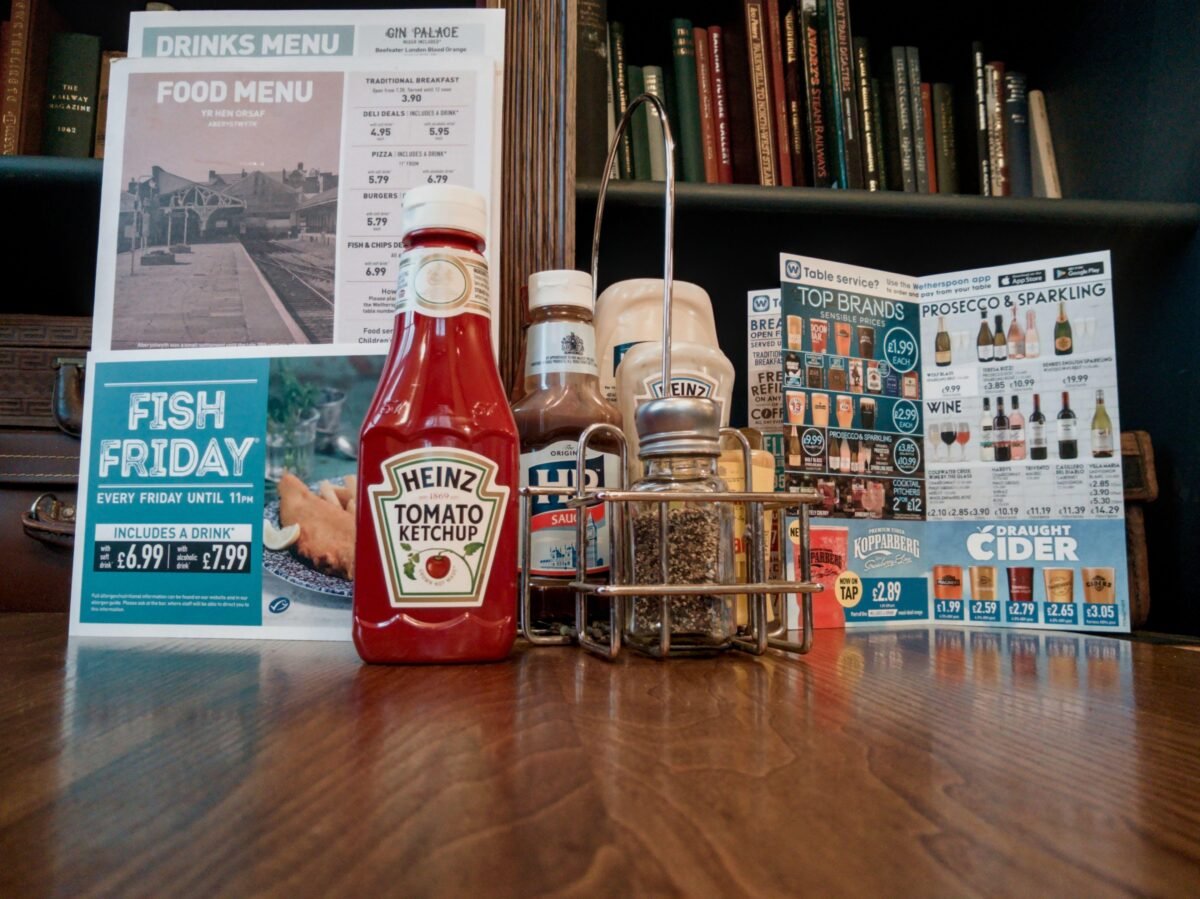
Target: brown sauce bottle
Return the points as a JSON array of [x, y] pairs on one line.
[[562, 398]]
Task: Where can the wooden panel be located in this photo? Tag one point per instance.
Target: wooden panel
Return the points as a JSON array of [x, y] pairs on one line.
[[539, 157], [913, 762]]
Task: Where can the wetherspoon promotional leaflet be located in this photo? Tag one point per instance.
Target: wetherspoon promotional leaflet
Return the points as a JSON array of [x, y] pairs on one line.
[[963, 432]]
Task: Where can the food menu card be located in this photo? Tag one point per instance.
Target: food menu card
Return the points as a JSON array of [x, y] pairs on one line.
[[963, 433], [273, 150]]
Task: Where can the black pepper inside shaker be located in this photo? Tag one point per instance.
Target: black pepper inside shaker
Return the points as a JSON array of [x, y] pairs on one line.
[[679, 443]]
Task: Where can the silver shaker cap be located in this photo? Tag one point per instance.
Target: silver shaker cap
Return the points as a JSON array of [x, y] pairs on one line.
[[678, 426]]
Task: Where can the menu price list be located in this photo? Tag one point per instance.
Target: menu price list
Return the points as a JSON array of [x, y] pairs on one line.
[[1034, 491], [166, 557], [402, 130]]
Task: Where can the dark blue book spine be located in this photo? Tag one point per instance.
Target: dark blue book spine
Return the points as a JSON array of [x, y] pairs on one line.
[[1016, 114]]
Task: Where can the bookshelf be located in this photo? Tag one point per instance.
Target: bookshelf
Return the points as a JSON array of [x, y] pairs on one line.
[[1122, 88], [1121, 91]]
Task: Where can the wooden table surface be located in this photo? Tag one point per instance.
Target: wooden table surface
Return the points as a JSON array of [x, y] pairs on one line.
[[928, 761]]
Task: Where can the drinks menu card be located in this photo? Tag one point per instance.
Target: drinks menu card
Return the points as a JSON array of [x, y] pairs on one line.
[[963, 432]]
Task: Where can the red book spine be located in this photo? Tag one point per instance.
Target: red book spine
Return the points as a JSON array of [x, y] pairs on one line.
[[930, 151], [720, 95], [708, 131], [779, 112]]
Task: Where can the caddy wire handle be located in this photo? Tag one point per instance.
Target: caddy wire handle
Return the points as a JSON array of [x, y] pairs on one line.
[[668, 218]]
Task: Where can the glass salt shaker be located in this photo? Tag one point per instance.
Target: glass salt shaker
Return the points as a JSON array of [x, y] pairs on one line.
[[679, 444]]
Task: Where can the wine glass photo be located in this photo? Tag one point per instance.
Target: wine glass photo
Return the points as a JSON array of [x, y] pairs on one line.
[[1088, 326], [949, 437], [962, 436], [933, 441]]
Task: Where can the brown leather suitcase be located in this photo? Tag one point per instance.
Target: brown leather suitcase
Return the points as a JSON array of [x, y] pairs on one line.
[[41, 399], [39, 471]]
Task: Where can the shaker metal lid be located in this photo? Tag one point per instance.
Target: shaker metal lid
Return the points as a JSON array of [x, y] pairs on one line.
[[678, 426]]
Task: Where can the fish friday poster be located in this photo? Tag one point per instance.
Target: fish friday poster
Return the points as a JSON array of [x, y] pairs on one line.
[[182, 477]]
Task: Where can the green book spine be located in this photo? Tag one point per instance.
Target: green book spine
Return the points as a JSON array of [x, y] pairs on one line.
[[72, 84], [621, 95], [641, 137], [656, 85], [687, 96]]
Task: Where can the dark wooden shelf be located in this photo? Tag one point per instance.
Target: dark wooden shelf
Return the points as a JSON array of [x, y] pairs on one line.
[[747, 198], [50, 170]]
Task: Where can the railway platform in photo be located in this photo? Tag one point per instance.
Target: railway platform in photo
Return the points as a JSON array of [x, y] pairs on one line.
[[217, 294]]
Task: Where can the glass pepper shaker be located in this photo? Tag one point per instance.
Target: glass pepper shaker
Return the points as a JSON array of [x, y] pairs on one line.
[[679, 444]]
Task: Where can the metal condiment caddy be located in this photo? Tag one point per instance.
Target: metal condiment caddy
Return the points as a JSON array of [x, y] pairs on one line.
[[767, 623]]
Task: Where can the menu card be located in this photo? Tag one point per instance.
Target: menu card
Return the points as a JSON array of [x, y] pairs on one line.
[[963, 432]]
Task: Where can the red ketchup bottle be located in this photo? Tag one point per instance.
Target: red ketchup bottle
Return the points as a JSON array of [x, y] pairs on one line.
[[436, 549]]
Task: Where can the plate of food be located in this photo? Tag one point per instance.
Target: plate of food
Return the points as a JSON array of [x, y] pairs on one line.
[[308, 534]]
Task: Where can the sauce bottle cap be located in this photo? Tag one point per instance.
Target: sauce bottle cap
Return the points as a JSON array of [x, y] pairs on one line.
[[444, 206], [560, 287], [678, 426]]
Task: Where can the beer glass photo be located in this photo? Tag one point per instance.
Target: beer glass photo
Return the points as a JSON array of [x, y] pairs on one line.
[[947, 582], [820, 410], [866, 341], [983, 582], [845, 410], [866, 411], [1020, 584], [797, 401], [819, 328], [842, 333], [1099, 585], [795, 332], [1060, 584]]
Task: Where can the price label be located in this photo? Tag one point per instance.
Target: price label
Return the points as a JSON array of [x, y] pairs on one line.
[[1077, 380], [1022, 383], [906, 416], [135, 557], [439, 130], [1021, 612], [1099, 615], [378, 178], [948, 609], [985, 610], [906, 455], [886, 591], [167, 557], [1060, 613], [900, 349], [950, 382], [225, 557], [381, 131]]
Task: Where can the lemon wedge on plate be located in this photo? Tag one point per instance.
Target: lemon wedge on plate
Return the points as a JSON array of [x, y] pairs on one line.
[[279, 538]]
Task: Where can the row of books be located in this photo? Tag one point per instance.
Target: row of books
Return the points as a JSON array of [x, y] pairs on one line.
[[54, 84], [787, 95]]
